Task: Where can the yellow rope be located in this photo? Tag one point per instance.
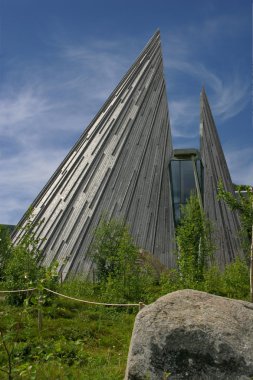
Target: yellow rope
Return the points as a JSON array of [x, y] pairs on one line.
[[18, 290], [140, 304], [91, 302]]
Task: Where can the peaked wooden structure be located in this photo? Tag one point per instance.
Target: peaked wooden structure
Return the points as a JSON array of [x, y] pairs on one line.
[[225, 223], [119, 166]]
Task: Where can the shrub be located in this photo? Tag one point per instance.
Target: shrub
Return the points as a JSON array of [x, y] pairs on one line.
[[214, 281], [242, 203], [121, 271], [194, 245], [236, 280], [170, 281], [22, 270]]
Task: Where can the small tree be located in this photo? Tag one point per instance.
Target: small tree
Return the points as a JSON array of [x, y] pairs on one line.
[[236, 279], [243, 204], [117, 262], [22, 272], [22, 269], [194, 245], [111, 246]]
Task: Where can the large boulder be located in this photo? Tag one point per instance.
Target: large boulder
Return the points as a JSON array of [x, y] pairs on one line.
[[192, 335]]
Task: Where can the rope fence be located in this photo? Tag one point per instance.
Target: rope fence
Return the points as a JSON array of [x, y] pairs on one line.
[[18, 290], [140, 304]]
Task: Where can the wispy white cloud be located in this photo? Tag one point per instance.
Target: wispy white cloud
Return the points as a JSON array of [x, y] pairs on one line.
[[240, 164], [104, 63], [43, 113], [22, 177], [188, 69], [229, 97], [19, 107], [183, 116]]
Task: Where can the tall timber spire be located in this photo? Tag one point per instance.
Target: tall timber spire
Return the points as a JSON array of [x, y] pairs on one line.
[[119, 167], [225, 223]]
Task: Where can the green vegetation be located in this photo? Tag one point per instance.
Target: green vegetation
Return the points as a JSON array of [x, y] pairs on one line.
[[91, 342], [196, 266], [243, 204], [122, 273], [195, 248], [5, 249], [21, 269], [76, 342]]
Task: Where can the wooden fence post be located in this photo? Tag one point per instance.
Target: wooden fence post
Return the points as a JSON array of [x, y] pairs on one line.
[[141, 305]]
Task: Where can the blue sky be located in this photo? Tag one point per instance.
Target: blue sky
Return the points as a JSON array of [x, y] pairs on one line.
[[60, 59]]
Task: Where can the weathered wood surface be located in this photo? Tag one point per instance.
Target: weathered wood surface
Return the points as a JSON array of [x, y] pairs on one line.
[[225, 223], [119, 166]]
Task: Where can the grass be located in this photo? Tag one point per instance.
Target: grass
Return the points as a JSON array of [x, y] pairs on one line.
[[76, 341]]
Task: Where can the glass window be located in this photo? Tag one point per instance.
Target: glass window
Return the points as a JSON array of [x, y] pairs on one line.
[[183, 182], [177, 212], [187, 180], [175, 176]]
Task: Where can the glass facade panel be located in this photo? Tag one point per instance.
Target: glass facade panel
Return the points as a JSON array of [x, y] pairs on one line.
[[183, 182], [176, 179], [177, 212], [187, 180]]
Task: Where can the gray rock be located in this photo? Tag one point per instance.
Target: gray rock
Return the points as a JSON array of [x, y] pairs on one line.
[[192, 335]]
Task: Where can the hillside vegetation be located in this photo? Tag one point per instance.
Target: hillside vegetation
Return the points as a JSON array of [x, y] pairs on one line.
[[75, 342], [44, 336]]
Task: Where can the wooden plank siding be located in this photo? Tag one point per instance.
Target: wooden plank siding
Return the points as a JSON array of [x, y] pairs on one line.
[[119, 166]]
